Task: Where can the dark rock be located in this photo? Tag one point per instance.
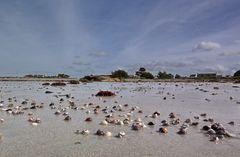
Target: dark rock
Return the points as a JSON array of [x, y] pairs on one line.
[[105, 93], [48, 92], [89, 119], [58, 84], [100, 133], [151, 123], [163, 130], [73, 82], [67, 118]]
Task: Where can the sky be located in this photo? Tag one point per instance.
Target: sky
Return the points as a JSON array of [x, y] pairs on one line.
[[82, 37]]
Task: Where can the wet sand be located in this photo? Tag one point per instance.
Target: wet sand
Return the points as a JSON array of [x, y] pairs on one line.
[[55, 137]]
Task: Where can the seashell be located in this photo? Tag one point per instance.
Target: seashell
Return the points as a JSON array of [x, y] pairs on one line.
[[57, 112], [1, 120], [138, 120], [211, 132], [121, 134], [65, 113], [108, 134], [214, 138], [126, 121], [120, 122], [104, 122], [34, 124]]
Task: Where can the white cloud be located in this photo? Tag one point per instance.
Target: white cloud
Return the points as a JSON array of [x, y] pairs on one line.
[[207, 46]]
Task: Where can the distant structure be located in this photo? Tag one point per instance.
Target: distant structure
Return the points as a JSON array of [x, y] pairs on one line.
[[207, 75]]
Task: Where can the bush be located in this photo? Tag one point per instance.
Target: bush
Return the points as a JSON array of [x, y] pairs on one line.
[[146, 75], [177, 76], [164, 75], [237, 74], [119, 74]]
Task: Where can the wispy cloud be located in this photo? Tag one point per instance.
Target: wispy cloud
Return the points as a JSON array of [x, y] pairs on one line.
[[207, 46], [230, 53], [99, 54]]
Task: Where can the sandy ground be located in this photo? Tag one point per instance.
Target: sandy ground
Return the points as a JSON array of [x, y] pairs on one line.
[[55, 137]]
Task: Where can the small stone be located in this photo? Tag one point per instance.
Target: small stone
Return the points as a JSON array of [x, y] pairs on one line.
[[57, 112], [85, 132], [104, 122], [151, 123], [163, 130], [172, 115], [89, 119], [211, 132], [214, 138], [121, 134], [100, 133], [231, 123], [67, 118], [194, 123], [203, 114], [206, 128], [108, 134], [188, 121]]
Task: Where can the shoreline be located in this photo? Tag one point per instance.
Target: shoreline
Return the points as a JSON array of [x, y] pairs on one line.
[[185, 80]]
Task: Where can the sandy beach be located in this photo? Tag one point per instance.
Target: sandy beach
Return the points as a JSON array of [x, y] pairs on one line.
[[54, 136]]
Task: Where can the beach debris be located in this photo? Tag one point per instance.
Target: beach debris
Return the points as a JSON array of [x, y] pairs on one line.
[[105, 93]]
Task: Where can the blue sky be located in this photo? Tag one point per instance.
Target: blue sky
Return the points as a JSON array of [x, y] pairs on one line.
[[81, 37]]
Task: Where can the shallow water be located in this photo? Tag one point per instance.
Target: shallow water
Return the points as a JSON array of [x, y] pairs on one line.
[[55, 137]]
